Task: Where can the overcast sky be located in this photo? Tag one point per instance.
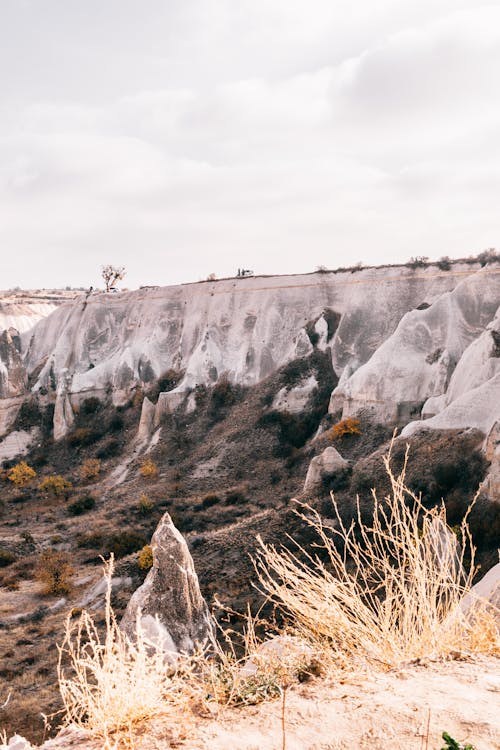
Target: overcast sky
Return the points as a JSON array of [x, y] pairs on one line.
[[185, 137]]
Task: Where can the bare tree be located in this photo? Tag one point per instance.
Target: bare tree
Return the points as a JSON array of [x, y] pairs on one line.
[[112, 274]]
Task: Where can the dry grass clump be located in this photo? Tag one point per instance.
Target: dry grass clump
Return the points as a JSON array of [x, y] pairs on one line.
[[385, 591], [110, 685]]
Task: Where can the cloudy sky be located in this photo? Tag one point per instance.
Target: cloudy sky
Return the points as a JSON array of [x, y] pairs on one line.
[[185, 137]]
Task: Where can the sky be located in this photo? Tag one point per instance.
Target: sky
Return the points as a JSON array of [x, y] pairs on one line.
[[180, 138]]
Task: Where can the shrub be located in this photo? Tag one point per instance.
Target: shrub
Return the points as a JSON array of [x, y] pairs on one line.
[[116, 423], [90, 468], [125, 542], [29, 415], [390, 591], [149, 470], [54, 571], [21, 474], [112, 447], [418, 261], [6, 558], [146, 505], [90, 406], [56, 486], [82, 505], [236, 495], [145, 558], [444, 263], [84, 436], [209, 500], [223, 393], [347, 426]]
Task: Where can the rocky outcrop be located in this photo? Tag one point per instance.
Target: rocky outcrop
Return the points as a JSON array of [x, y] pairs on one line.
[[22, 309], [172, 611], [327, 464], [427, 356], [247, 328]]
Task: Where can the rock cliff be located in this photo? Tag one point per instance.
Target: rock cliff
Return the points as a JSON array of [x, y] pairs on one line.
[[406, 343]]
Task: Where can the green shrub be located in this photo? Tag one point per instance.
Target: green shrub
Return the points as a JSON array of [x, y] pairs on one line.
[[125, 543], [209, 500], [116, 423], [6, 558], [236, 495], [444, 263], [90, 406], [112, 447], [146, 505], [82, 505], [84, 436]]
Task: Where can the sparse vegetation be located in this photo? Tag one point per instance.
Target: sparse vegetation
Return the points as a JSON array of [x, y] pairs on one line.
[[390, 591]]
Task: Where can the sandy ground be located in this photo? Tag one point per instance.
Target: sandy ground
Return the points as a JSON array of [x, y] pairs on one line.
[[408, 708]]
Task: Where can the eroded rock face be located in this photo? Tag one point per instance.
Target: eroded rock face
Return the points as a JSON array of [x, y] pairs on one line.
[[327, 464], [173, 612], [422, 359], [247, 328]]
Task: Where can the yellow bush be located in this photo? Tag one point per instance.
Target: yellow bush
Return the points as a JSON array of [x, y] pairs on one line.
[[54, 571], [21, 474], [149, 470], [145, 559], [146, 505], [90, 468], [55, 485], [349, 426]]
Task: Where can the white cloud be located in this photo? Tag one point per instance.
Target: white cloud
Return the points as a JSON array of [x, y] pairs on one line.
[[279, 135]]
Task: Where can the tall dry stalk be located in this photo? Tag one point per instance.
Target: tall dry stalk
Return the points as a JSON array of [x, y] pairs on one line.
[[386, 591], [109, 684]]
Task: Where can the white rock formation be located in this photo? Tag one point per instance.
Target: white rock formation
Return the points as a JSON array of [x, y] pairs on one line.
[[417, 362], [171, 609], [327, 464], [295, 399], [17, 443], [486, 592], [245, 327], [22, 309]]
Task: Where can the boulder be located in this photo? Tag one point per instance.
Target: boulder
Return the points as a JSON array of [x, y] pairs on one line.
[[486, 591], [294, 400], [327, 464], [172, 610]]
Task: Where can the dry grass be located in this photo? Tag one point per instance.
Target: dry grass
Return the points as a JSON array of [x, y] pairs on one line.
[[110, 685], [383, 592]]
